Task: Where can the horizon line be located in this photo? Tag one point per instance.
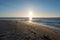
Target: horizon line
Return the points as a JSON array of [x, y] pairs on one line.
[[28, 17]]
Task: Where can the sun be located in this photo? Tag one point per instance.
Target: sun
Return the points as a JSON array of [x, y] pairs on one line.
[[30, 16]]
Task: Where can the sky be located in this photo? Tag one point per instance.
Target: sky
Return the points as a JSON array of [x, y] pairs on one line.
[[21, 8]]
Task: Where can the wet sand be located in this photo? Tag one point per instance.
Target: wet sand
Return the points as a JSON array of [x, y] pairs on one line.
[[15, 30]]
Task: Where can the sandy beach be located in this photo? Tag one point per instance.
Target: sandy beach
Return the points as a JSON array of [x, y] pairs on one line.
[[18, 30]]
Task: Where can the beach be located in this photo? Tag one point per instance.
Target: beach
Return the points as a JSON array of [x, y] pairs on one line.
[[21, 30]]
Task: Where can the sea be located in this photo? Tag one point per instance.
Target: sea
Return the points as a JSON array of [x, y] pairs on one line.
[[50, 22]]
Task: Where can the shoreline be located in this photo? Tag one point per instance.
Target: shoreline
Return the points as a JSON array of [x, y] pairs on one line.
[[46, 25], [53, 27]]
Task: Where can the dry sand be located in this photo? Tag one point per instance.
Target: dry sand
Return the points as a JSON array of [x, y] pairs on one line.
[[15, 30]]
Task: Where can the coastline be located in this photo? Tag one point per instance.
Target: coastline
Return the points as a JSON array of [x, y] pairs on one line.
[[47, 26]]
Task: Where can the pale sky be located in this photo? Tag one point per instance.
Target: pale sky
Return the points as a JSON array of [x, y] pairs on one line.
[[21, 8]]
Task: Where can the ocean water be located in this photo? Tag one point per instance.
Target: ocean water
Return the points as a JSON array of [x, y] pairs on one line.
[[54, 22]]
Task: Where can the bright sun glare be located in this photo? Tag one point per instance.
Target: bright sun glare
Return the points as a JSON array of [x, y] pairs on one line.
[[30, 16]]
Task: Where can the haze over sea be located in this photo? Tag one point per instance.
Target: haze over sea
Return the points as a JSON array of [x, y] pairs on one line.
[[51, 22]]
